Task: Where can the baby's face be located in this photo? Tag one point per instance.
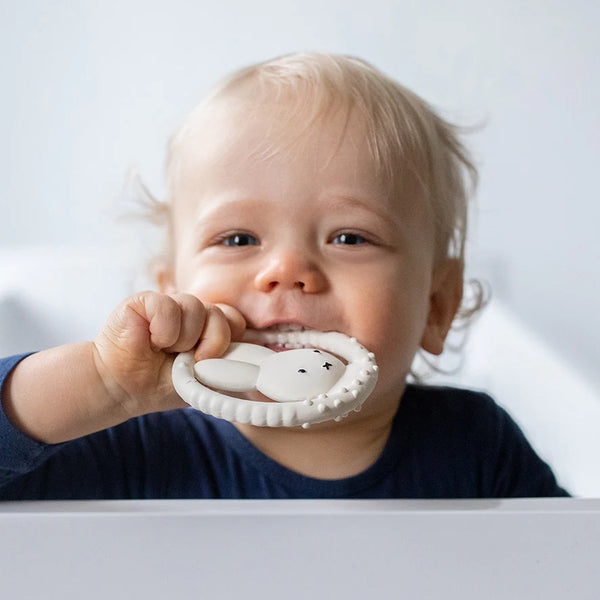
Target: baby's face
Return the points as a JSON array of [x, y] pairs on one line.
[[307, 236]]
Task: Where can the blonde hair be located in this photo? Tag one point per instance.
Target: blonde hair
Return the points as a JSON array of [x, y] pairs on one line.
[[410, 144]]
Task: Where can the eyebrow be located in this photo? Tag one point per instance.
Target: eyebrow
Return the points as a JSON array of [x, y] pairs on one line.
[[335, 201], [228, 204], [343, 202]]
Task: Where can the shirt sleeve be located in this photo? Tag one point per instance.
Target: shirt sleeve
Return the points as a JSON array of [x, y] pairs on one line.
[[19, 454], [90, 467], [130, 460]]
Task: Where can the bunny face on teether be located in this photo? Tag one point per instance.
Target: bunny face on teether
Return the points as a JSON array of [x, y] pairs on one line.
[[298, 374], [308, 384]]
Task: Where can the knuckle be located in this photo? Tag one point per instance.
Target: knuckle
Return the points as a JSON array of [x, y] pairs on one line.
[[196, 306], [144, 296], [167, 306], [189, 302]]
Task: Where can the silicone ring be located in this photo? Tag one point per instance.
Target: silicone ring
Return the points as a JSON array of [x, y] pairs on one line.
[[348, 393]]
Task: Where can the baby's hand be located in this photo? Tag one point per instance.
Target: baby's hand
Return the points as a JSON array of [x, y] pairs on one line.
[[135, 349]]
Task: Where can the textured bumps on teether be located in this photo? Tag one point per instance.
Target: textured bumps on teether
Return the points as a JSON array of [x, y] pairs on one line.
[[309, 384]]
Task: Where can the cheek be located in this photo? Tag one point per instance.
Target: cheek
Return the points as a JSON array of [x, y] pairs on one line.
[[391, 317], [212, 283]]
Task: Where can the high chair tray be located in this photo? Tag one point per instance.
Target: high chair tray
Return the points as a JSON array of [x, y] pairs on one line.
[[493, 549]]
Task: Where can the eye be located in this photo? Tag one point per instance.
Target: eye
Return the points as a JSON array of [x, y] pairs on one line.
[[239, 239], [349, 239]]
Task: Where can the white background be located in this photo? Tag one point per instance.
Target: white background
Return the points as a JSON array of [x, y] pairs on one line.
[[91, 89]]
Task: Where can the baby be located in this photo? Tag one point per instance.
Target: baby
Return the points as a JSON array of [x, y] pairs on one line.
[[312, 192]]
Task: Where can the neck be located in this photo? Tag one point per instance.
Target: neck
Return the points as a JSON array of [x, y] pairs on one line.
[[329, 450]]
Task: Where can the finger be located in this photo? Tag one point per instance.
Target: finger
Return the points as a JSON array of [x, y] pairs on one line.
[[193, 317], [164, 319], [237, 322], [216, 335]]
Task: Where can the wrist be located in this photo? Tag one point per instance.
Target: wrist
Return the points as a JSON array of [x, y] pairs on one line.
[[117, 397]]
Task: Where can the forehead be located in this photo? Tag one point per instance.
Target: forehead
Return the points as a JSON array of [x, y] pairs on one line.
[[260, 145], [231, 133]]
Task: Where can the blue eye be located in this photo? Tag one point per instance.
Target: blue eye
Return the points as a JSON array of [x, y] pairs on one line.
[[240, 239], [350, 239]]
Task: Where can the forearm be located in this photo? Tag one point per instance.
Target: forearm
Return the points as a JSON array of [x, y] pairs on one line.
[[57, 395]]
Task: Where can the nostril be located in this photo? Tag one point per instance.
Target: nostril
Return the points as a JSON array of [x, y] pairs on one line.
[[273, 284], [290, 275]]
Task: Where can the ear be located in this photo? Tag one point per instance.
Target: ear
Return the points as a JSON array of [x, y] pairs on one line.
[[227, 375], [444, 301], [165, 279], [250, 353]]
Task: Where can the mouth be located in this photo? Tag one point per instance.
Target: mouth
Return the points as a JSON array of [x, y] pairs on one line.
[[283, 328], [279, 337]]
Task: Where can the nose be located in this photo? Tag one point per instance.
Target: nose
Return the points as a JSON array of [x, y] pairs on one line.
[[290, 269]]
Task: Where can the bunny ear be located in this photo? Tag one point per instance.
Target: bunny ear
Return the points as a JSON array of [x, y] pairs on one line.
[[226, 374], [250, 353]]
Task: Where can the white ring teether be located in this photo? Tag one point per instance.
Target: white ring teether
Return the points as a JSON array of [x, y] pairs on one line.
[[279, 373]]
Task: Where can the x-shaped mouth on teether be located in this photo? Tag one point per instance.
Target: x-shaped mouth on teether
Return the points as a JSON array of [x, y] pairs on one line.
[[309, 384]]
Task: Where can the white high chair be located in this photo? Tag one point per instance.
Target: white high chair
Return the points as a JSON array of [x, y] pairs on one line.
[[52, 296]]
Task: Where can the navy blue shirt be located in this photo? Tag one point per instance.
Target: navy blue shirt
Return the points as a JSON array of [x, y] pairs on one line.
[[444, 443]]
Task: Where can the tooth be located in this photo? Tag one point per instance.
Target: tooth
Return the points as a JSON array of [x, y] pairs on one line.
[[286, 327]]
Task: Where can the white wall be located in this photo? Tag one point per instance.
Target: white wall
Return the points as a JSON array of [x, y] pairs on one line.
[[90, 89]]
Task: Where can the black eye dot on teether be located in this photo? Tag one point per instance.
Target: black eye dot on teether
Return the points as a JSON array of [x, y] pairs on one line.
[[327, 365], [301, 370], [317, 351]]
